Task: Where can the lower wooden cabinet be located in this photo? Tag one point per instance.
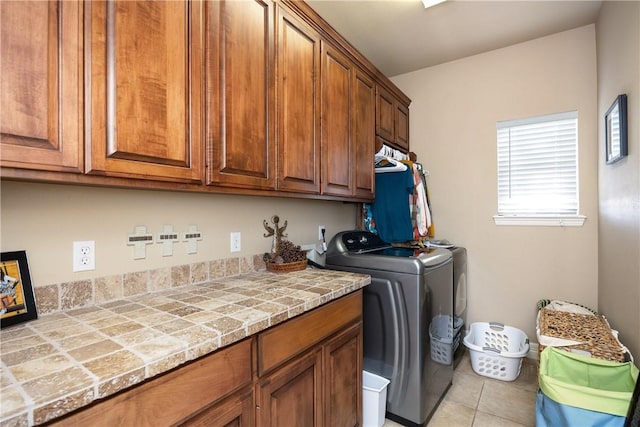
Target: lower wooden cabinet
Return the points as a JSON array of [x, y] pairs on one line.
[[175, 397], [319, 386], [343, 378], [234, 411], [292, 396], [304, 372]]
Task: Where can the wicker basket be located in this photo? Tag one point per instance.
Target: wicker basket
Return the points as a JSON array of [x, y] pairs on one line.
[[286, 267], [593, 332]]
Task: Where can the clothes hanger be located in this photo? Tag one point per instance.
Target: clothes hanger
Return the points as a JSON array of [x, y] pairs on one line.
[[390, 155], [421, 169], [396, 165]]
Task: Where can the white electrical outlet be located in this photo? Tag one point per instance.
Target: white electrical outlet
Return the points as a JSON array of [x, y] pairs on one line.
[[84, 255], [321, 229], [235, 241]]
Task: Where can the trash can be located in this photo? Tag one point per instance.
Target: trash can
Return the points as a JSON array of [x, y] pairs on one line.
[[374, 399], [580, 390]]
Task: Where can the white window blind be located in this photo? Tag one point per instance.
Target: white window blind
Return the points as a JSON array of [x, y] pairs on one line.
[[538, 166]]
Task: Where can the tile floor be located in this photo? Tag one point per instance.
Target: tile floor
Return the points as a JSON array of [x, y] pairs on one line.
[[477, 401]]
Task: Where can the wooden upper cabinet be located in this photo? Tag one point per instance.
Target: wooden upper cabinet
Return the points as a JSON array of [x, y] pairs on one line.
[[363, 134], [348, 127], [41, 85], [298, 115], [338, 167], [402, 126], [240, 105], [392, 119], [385, 114], [144, 96], [254, 96]]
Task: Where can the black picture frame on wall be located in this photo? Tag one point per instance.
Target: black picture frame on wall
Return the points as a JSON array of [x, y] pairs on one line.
[[615, 125], [17, 303]]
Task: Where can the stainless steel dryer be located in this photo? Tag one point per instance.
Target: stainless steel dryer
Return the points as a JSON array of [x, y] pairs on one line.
[[460, 294], [410, 290]]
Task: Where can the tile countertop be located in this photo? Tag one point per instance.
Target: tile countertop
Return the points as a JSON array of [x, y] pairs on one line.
[[64, 361]]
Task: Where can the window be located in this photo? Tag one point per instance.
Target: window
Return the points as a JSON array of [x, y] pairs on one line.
[[538, 171]]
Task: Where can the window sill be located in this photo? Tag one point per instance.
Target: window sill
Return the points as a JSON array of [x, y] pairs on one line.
[[542, 221]]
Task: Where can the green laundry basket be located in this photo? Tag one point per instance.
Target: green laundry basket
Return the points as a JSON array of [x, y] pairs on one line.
[[586, 383]]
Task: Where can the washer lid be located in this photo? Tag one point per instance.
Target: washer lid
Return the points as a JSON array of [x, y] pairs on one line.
[[362, 249]]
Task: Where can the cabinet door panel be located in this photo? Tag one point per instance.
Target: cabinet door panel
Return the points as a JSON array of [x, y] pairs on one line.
[[385, 114], [146, 71], [343, 378], [240, 95], [364, 137], [298, 105], [402, 126], [292, 396], [40, 88], [234, 411], [337, 164]]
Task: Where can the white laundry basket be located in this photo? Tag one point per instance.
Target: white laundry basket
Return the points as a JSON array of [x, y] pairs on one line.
[[496, 350], [444, 332], [374, 399]]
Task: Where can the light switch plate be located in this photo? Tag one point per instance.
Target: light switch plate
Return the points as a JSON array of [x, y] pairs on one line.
[[235, 241]]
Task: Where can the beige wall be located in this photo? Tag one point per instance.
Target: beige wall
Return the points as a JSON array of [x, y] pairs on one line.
[[618, 41], [454, 110], [45, 219]]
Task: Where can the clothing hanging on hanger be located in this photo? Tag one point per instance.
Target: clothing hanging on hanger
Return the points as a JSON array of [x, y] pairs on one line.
[[423, 175], [420, 209], [390, 209], [388, 164], [401, 211]]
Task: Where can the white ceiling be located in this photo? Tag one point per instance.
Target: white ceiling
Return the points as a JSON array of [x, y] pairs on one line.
[[400, 36]]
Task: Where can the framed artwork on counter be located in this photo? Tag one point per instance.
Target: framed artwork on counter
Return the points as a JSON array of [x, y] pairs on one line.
[[17, 303]]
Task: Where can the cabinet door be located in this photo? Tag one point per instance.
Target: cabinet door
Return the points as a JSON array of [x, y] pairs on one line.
[[41, 85], [343, 379], [292, 396], [240, 93], [234, 411], [337, 162], [402, 126], [298, 83], [364, 135], [144, 95], [385, 114]]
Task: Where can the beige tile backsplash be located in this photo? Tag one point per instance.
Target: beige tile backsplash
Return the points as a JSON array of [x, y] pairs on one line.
[[85, 293]]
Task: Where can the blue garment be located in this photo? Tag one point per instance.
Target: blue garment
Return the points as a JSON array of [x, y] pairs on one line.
[[391, 206]]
